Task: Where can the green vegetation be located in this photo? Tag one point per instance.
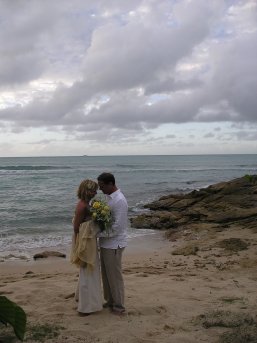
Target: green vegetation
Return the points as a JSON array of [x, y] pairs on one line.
[[11, 313], [43, 332], [225, 319], [243, 334], [251, 178], [243, 327], [233, 244]]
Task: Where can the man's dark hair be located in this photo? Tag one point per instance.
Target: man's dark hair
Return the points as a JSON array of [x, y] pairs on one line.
[[106, 178]]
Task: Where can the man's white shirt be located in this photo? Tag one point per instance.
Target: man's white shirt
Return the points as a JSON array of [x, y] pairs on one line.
[[116, 237]]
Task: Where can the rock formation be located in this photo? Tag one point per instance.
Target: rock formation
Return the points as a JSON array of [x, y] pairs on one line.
[[46, 254], [222, 204]]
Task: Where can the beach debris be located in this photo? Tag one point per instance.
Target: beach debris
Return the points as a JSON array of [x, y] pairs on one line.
[[29, 274], [71, 295], [46, 254], [5, 292], [13, 257]]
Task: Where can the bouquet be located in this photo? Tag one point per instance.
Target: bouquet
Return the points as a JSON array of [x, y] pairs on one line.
[[101, 214]]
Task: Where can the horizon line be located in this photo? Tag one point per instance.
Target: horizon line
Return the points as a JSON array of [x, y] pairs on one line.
[[129, 155]]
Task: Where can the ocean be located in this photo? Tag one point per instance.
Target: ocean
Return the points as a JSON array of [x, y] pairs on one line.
[[38, 194]]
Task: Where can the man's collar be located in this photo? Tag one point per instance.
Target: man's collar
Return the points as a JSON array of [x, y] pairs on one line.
[[112, 195]]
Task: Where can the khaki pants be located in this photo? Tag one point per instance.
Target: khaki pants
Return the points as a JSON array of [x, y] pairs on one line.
[[113, 284]]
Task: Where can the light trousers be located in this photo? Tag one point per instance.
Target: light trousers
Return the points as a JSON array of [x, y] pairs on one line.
[[113, 284]]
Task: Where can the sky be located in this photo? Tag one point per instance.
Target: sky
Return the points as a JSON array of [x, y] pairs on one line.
[[123, 77]]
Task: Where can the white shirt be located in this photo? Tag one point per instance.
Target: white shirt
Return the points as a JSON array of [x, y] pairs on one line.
[[117, 235]]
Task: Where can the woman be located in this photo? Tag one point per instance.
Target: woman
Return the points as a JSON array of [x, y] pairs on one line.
[[85, 253]]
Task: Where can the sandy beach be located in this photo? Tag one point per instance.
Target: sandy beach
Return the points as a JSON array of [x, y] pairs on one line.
[[169, 298]]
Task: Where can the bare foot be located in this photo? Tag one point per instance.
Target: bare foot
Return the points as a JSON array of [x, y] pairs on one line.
[[81, 314]]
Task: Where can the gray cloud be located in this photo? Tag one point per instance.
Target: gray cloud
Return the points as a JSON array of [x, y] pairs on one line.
[[129, 66], [246, 135]]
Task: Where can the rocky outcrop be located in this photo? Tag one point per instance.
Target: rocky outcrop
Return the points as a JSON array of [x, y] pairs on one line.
[[223, 204]]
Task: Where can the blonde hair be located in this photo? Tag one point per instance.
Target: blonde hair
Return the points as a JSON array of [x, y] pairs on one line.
[[85, 187]]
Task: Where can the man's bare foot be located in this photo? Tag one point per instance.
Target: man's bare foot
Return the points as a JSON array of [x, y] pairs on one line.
[[81, 314]]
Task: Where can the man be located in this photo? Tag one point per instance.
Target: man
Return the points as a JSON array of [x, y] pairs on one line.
[[112, 244]]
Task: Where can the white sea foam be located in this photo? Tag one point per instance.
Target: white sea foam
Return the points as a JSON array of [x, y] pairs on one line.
[[22, 248]]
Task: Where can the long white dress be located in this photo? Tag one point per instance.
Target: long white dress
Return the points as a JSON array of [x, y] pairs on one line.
[[85, 255]]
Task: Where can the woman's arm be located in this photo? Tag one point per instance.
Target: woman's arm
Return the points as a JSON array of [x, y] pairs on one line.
[[80, 214]]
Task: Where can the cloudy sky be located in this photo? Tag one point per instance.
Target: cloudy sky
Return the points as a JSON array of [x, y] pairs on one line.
[[122, 77]]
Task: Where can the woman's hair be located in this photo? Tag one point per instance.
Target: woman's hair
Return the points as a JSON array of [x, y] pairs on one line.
[[85, 187]]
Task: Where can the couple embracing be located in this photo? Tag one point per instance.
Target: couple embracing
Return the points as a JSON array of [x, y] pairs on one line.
[[112, 243]]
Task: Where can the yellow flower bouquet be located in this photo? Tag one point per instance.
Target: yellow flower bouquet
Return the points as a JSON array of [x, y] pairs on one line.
[[101, 213]]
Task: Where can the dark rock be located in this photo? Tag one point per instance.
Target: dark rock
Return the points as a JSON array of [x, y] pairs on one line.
[[46, 254], [161, 220], [225, 203]]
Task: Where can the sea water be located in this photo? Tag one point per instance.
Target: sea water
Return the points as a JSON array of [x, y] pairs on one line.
[[38, 194]]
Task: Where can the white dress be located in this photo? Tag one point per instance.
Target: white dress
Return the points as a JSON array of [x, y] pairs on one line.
[[88, 292]]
